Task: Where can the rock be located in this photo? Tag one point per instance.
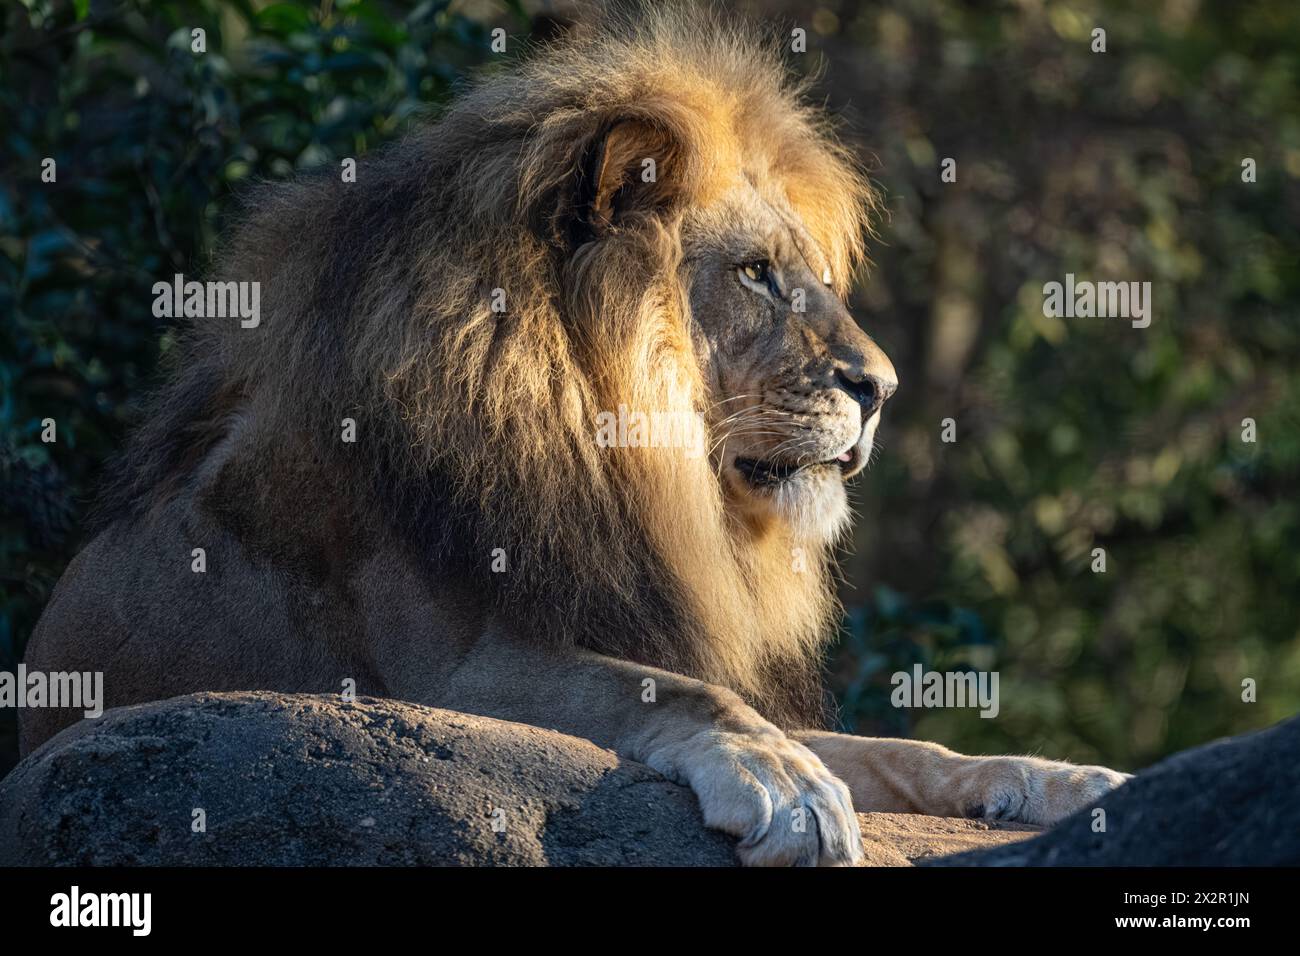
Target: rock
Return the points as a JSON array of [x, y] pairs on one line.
[[908, 839], [1233, 802], [315, 780]]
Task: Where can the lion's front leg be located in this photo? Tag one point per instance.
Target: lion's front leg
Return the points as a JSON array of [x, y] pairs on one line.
[[752, 780], [911, 776]]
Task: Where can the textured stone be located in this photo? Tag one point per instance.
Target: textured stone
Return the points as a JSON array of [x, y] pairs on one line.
[[315, 780]]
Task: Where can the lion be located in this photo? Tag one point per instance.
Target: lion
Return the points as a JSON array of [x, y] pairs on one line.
[[393, 484]]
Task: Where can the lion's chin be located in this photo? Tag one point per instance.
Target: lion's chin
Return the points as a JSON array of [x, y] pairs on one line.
[[812, 504]]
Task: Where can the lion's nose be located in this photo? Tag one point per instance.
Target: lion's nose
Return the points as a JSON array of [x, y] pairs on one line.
[[869, 391]]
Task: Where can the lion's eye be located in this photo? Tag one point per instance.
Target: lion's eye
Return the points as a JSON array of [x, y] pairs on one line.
[[757, 271], [758, 275]]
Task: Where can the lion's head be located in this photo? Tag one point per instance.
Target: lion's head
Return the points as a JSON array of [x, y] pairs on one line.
[[646, 218], [795, 387], [686, 144]]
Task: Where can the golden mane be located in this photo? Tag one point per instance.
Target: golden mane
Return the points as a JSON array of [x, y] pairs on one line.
[[476, 427]]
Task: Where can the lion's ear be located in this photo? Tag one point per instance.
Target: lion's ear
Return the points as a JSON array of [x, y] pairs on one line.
[[630, 172]]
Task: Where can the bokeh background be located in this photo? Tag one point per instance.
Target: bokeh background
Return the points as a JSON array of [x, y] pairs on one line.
[[1071, 433]]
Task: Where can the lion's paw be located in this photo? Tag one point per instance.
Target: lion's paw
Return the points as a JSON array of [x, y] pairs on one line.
[[1030, 790], [775, 795]]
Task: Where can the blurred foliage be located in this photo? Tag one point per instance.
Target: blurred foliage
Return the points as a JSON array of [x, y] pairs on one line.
[[1071, 434], [1079, 433]]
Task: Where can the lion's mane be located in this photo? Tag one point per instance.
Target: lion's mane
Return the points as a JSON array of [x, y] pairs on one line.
[[475, 428]]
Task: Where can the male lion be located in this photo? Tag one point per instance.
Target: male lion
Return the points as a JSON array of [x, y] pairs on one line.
[[646, 218]]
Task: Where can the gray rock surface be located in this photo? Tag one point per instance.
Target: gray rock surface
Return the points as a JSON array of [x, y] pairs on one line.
[[1233, 802], [314, 780], [308, 780]]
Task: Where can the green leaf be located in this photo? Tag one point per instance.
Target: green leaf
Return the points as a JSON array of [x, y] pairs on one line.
[[283, 19]]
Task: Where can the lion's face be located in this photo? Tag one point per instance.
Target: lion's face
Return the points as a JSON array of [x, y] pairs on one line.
[[797, 388]]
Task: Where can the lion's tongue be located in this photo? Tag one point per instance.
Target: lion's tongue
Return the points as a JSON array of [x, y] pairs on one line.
[[847, 456]]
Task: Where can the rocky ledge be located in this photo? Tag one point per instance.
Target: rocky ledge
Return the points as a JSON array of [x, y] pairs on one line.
[[275, 779]]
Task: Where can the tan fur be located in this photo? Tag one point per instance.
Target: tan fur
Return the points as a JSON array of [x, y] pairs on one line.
[[372, 562]]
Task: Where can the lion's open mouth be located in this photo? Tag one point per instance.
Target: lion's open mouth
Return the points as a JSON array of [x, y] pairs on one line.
[[762, 473]]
